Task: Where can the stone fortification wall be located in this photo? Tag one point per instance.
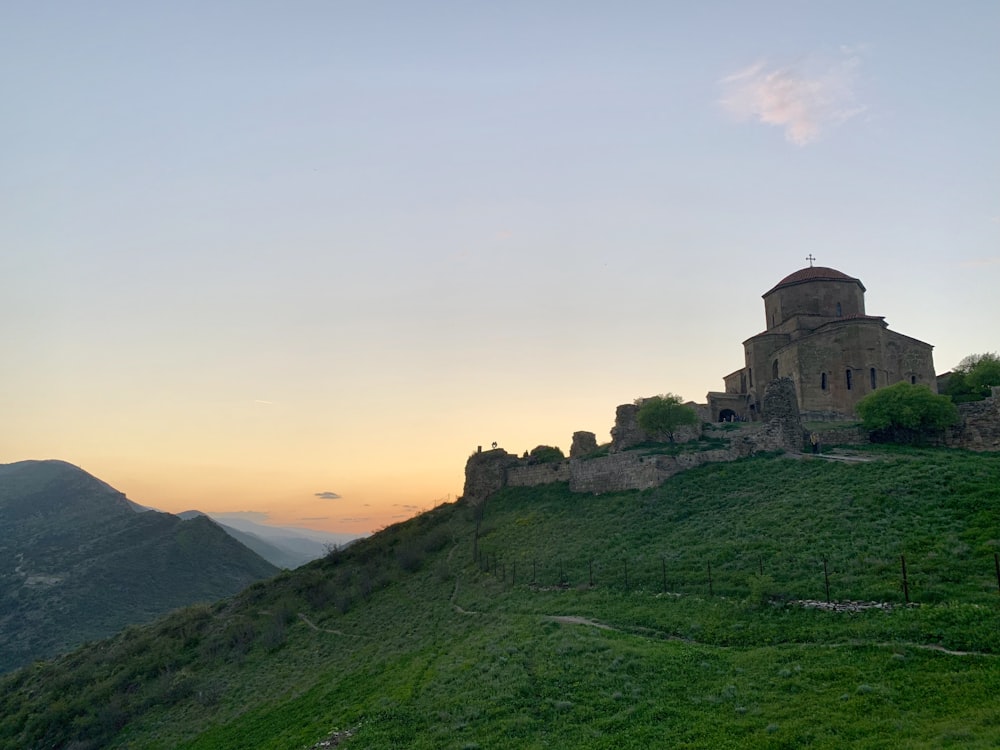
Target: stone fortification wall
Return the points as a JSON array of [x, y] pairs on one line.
[[979, 428], [525, 475], [633, 470], [487, 472]]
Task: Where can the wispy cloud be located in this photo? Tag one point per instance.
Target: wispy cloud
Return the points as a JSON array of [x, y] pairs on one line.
[[804, 99], [262, 402], [327, 495], [315, 518]]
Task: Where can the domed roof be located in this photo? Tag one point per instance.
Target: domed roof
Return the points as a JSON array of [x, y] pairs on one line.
[[814, 273]]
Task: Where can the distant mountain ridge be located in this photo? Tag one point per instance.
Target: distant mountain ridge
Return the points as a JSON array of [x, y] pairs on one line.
[[77, 562], [284, 546]]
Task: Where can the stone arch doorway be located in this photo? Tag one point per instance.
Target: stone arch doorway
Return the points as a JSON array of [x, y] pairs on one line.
[[728, 415]]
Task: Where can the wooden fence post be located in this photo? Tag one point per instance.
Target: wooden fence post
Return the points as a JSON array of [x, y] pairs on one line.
[[826, 578], [711, 590], [906, 583]]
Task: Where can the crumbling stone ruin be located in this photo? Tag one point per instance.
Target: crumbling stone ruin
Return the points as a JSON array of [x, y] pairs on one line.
[[979, 425], [625, 469], [584, 443]]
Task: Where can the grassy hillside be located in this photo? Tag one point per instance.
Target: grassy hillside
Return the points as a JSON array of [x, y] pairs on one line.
[[78, 563], [404, 640]]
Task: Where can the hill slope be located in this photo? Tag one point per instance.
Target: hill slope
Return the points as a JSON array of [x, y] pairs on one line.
[[402, 640], [78, 563]]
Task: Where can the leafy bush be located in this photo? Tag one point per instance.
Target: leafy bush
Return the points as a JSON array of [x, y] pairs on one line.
[[973, 377], [544, 454], [662, 415], [906, 413]]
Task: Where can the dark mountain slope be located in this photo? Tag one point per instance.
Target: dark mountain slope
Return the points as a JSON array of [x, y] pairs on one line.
[[78, 563]]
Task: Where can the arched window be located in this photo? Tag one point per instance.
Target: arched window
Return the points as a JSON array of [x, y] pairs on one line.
[[913, 379], [822, 381], [850, 380], [840, 312], [774, 370], [874, 378], [750, 373]]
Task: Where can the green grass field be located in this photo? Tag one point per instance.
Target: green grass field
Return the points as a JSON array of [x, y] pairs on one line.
[[406, 640]]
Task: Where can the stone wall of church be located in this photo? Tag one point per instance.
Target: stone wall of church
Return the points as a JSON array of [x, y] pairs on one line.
[[819, 299]]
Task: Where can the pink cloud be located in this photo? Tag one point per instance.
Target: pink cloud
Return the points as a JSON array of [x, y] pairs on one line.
[[802, 102]]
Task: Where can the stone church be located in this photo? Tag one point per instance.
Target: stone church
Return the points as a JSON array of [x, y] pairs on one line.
[[818, 334]]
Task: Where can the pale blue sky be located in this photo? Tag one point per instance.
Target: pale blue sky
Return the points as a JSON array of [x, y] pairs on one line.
[[254, 251]]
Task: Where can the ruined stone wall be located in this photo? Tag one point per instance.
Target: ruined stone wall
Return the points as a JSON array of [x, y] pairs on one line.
[[584, 443], [486, 472], [633, 470], [525, 475], [979, 429], [781, 414]]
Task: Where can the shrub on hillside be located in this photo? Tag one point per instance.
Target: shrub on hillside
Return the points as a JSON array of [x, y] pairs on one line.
[[544, 454], [905, 413]]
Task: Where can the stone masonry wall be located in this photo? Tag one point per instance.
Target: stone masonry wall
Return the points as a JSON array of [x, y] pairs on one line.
[[636, 470], [781, 413], [584, 443], [633, 470], [485, 473], [531, 475], [979, 429]]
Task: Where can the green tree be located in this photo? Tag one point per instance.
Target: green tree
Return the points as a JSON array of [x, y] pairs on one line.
[[972, 378], [984, 374], [906, 413], [662, 415]]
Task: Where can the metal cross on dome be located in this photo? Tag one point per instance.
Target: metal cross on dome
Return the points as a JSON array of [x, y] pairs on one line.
[[810, 258]]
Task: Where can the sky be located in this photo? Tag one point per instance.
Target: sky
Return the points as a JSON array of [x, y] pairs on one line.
[[301, 258]]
